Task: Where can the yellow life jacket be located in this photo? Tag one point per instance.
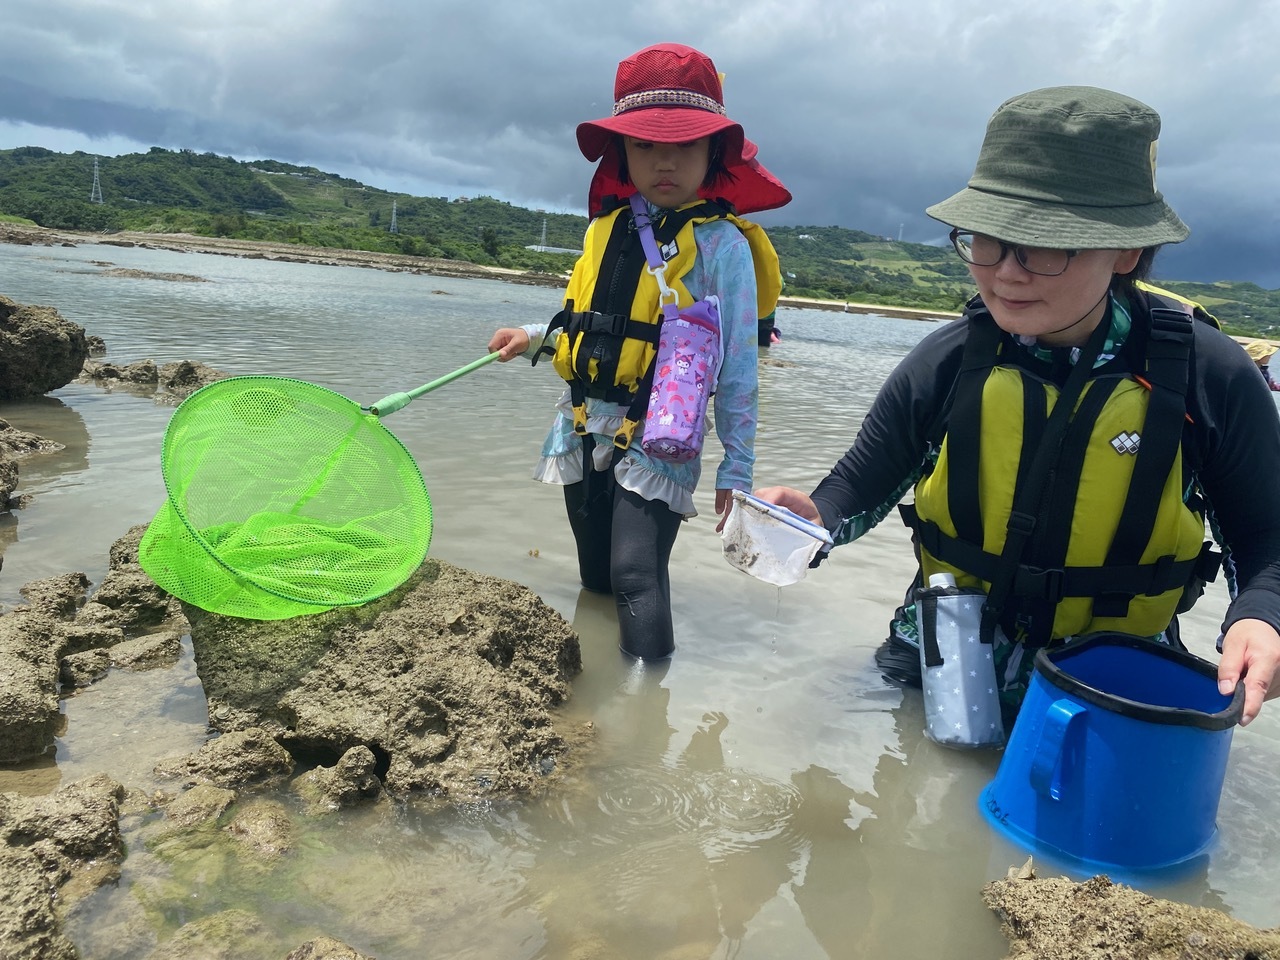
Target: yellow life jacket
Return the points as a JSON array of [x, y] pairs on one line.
[[1114, 537], [604, 340]]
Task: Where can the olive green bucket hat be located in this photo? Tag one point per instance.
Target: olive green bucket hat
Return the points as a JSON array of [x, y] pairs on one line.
[[1067, 167]]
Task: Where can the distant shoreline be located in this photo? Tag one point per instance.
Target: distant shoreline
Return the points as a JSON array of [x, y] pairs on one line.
[[266, 250], [393, 262], [880, 309]]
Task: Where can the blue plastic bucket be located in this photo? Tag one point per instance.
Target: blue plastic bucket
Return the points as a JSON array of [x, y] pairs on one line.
[[1117, 757]]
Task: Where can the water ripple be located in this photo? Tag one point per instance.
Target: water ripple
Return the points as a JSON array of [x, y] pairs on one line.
[[742, 811], [654, 798]]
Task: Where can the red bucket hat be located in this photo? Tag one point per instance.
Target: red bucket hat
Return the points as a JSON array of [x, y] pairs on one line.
[[670, 93]]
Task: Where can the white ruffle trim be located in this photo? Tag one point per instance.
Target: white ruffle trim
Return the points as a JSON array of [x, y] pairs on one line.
[[567, 469]]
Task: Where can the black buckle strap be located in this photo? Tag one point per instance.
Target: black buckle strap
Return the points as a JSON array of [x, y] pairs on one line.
[[590, 321], [1054, 584], [558, 323], [1168, 324], [1021, 524], [1208, 563], [1169, 348], [1040, 584], [1138, 580]]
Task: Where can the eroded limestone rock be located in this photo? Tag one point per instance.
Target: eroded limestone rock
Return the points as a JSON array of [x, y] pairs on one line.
[[232, 760], [53, 851], [353, 779], [326, 948], [1056, 919], [448, 682], [201, 804], [56, 622], [40, 350]]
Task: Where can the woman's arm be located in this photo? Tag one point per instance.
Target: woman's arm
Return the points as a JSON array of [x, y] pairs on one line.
[[1238, 433], [891, 451]]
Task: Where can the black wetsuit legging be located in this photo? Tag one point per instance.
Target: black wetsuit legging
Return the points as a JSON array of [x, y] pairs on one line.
[[624, 546]]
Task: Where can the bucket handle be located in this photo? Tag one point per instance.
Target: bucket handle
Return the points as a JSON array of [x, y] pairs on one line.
[[1046, 765]]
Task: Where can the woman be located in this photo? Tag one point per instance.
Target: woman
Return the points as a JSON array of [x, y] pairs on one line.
[[1093, 519]]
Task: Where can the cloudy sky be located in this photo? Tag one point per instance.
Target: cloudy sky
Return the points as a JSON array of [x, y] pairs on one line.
[[869, 110]]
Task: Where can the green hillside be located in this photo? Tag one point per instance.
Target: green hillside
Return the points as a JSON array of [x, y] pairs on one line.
[[181, 191], [832, 263], [168, 191]]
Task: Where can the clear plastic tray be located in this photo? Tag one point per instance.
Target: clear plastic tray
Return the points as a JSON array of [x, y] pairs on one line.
[[770, 542]]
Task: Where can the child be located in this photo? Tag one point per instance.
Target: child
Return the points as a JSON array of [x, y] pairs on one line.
[[670, 141]]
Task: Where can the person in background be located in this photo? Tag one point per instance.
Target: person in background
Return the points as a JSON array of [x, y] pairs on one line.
[[1068, 436], [670, 140], [769, 332], [1260, 352]]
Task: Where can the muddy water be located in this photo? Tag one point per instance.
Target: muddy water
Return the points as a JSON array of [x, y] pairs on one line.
[[763, 794]]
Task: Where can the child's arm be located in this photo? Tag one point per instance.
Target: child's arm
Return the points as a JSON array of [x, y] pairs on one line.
[[511, 342], [727, 271]]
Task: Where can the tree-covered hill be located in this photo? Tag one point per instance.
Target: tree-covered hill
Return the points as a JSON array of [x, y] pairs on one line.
[[838, 264], [181, 191]]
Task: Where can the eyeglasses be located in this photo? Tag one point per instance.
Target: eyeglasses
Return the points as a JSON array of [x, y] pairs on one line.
[[984, 251]]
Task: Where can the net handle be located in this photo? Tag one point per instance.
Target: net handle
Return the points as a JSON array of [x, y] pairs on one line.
[[397, 401]]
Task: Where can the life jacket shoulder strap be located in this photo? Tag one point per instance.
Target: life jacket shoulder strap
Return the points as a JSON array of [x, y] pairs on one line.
[[1176, 301], [1170, 339]]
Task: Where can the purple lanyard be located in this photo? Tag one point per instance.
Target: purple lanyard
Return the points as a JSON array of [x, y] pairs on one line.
[[657, 266]]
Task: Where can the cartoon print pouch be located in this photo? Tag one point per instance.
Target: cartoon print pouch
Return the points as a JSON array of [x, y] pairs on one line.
[[683, 378]]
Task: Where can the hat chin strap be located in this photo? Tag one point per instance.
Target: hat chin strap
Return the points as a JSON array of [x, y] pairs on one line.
[[1073, 323]]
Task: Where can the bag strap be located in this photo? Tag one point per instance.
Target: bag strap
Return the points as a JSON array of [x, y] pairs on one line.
[[657, 266], [668, 298]]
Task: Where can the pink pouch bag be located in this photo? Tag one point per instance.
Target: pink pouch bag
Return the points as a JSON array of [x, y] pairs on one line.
[[685, 367], [683, 377]]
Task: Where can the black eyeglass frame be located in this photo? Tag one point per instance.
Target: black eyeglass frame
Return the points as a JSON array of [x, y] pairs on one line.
[[1018, 250]]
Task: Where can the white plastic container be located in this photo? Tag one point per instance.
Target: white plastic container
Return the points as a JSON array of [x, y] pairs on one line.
[[770, 542]]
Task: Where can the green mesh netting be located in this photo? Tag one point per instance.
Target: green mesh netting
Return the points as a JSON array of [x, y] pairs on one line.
[[284, 499]]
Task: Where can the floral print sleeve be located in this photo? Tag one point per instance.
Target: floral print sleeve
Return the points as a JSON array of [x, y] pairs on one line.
[[724, 267]]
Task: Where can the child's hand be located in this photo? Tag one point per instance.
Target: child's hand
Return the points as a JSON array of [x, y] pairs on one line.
[[724, 503], [509, 342]]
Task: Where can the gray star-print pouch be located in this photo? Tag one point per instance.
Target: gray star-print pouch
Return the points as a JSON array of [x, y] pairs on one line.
[[961, 698]]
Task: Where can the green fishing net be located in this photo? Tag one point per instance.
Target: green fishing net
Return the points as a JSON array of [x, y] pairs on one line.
[[284, 499]]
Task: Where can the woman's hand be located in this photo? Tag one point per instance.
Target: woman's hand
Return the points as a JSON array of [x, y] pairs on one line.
[[509, 342], [1250, 652], [795, 501]]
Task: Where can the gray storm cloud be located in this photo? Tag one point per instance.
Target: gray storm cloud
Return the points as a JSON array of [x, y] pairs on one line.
[[868, 112]]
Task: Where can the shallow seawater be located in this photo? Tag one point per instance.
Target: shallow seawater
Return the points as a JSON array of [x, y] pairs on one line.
[[762, 794]]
